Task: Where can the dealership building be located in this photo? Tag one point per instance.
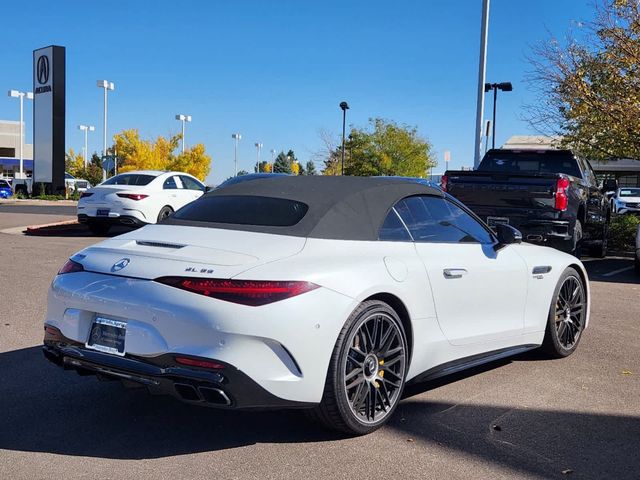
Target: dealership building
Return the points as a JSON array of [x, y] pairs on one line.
[[10, 151], [625, 170]]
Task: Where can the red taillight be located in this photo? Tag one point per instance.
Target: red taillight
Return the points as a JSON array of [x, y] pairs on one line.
[[192, 362], [562, 200], [85, 194], [443, 182], [133, 196], [246, 292], [71, 267]]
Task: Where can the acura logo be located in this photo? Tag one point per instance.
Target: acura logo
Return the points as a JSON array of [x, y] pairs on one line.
[[42, 69], [120, 264]]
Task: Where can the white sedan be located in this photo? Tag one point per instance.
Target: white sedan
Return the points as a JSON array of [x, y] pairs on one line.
[[137, 198], [324, 293]]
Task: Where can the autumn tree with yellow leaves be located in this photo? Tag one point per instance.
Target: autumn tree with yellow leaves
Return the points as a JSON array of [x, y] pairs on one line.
[[135, 153]]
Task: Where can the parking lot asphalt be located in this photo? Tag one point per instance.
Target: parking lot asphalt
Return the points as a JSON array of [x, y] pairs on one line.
[[526, 417]]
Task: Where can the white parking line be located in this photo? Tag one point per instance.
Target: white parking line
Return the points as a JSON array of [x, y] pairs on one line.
[[615, 272]]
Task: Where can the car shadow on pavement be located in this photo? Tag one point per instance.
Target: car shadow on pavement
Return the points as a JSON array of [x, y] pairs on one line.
[[46, 409], [611, 270]]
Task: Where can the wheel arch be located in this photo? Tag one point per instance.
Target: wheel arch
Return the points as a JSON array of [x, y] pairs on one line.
[[585, 281], [400, 308]]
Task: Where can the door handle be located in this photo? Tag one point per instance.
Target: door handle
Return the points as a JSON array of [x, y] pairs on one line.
[[454, 272]]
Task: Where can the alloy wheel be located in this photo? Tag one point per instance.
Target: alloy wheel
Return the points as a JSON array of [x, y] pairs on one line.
[[374, 368], [569, 312]]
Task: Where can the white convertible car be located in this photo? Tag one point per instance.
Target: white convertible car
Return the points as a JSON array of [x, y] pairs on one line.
[[325, 293], [137, 198]]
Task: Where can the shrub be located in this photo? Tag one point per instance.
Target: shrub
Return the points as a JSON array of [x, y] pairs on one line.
[[622, 232]]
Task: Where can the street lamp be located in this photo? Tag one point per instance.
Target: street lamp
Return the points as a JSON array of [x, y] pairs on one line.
[[505, 87], [273, 152], [183, 119], [106, 85], [344, 106], [86, 129], [237, 137], [258, 148], [21, 96]]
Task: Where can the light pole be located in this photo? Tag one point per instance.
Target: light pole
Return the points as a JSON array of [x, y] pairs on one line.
[[183, 119], [273, 152], [482, 69], [258, 148], [505, 87], [344, 106], [237, 137], [21, 96], [106, 85], [86, 129]]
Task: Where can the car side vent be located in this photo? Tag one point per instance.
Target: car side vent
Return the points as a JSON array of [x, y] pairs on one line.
[[158, 244]]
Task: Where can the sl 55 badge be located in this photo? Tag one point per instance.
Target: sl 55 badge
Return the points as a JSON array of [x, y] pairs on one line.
[[198, 270]]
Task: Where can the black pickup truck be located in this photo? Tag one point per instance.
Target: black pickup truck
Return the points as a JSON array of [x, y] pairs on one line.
[[551, 196]]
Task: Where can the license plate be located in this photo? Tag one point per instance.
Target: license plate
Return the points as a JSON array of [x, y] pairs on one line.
[[107, 336], [102, 212], [493, 221]]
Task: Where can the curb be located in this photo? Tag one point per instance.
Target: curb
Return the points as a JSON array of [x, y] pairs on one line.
[[55, 228]]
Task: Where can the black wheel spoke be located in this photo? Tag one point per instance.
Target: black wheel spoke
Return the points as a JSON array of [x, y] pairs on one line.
[[569, 312]]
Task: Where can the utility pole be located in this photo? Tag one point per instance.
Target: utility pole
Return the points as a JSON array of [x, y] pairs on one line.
[[482, 69]]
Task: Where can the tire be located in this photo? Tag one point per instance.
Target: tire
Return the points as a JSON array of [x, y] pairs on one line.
[[99, 228], [576, 249], [165, 212], [600, 250], [567, 315], [357, 397]]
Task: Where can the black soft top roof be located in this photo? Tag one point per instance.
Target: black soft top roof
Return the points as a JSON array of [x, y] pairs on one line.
[[344, 208]]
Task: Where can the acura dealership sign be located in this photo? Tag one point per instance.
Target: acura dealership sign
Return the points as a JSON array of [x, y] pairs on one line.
[[49, 117]]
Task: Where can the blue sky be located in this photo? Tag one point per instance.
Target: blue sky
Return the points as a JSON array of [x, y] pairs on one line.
[[276, 71]]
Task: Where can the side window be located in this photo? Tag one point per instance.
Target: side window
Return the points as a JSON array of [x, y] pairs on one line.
[[170, 184], [190, 183], [592, 174], [393, 230], [434, 219]]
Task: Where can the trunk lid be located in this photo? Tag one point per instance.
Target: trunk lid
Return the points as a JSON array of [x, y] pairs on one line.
[[171, 250]]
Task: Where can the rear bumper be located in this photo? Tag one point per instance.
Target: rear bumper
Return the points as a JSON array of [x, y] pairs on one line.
[[120, 220], [161, 375]]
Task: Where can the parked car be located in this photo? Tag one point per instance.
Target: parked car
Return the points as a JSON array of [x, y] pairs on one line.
[[626, 200], [5, 189], [551, 196], [324, 293], [137, 198], [77, 184]]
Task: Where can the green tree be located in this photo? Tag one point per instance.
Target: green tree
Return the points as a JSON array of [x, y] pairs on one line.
[[74, 164], [589, 88], [311, 168], [242, 172], [385, 148], [282, 163]]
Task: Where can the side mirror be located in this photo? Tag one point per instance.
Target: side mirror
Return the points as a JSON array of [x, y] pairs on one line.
[[207, 189], [507, 235]]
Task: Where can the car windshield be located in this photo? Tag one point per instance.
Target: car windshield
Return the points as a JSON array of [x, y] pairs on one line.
[[630, 192], [513, 162], [244, 210], [4, 184], [130, 179]]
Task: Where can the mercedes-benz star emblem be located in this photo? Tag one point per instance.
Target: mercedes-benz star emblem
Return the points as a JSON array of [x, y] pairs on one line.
[[120, 264], [42, 69]]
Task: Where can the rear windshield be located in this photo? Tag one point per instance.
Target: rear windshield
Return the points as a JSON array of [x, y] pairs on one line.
[[531, 162], [244, 210], [129, 179]]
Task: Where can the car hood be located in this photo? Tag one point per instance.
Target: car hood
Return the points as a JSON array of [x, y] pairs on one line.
[[169, 250]]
